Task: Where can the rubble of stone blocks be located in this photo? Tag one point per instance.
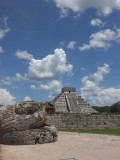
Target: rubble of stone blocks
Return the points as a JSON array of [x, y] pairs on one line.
[[25, 125]]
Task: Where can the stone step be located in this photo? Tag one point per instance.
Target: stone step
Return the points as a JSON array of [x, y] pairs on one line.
[[72, 102]]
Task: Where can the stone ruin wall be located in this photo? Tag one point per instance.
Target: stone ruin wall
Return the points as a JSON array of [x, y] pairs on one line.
[[84, 121]]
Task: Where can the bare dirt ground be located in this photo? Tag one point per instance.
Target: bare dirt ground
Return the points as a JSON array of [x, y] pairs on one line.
[[70, 146]]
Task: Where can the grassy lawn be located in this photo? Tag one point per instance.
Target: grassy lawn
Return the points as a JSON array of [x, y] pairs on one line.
[[104, 131]]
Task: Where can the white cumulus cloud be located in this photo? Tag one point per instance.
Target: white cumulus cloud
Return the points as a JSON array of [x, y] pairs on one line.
[[9, 80], [104, 7], [97, 22], [102, 39], [50, 67], [101, 71], [6, 97], [24, 55], [71, 45], [94, 93], [53, 86], [27, 98]]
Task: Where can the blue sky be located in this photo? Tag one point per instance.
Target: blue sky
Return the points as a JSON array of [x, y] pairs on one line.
[[49, 44]]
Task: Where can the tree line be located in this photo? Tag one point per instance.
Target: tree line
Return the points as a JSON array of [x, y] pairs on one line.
[[115, 108]]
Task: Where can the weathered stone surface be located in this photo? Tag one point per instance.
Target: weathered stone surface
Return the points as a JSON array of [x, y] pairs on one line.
[[28, 137], [14, 122], [85, 121], [69, 102], [22, 123], [29, 107]]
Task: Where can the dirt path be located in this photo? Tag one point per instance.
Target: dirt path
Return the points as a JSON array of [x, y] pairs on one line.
[[70, 146]]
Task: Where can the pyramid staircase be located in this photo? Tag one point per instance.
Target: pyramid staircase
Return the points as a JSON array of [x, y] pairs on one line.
[[69, 102]]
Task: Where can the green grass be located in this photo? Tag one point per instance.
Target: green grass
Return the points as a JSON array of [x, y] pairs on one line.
[[104, 131]]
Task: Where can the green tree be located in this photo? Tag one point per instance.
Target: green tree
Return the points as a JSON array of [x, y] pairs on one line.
[[115, 107]]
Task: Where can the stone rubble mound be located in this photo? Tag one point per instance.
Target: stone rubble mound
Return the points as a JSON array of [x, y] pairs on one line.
[[25, 124]]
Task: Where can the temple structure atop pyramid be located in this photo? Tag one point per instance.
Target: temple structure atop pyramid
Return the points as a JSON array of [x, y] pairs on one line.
[[69, 102]]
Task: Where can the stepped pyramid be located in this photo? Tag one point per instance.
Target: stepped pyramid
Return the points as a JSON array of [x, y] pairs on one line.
[[69, 101]]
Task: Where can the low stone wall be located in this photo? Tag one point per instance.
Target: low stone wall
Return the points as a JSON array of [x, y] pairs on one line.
[[83, 121]]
